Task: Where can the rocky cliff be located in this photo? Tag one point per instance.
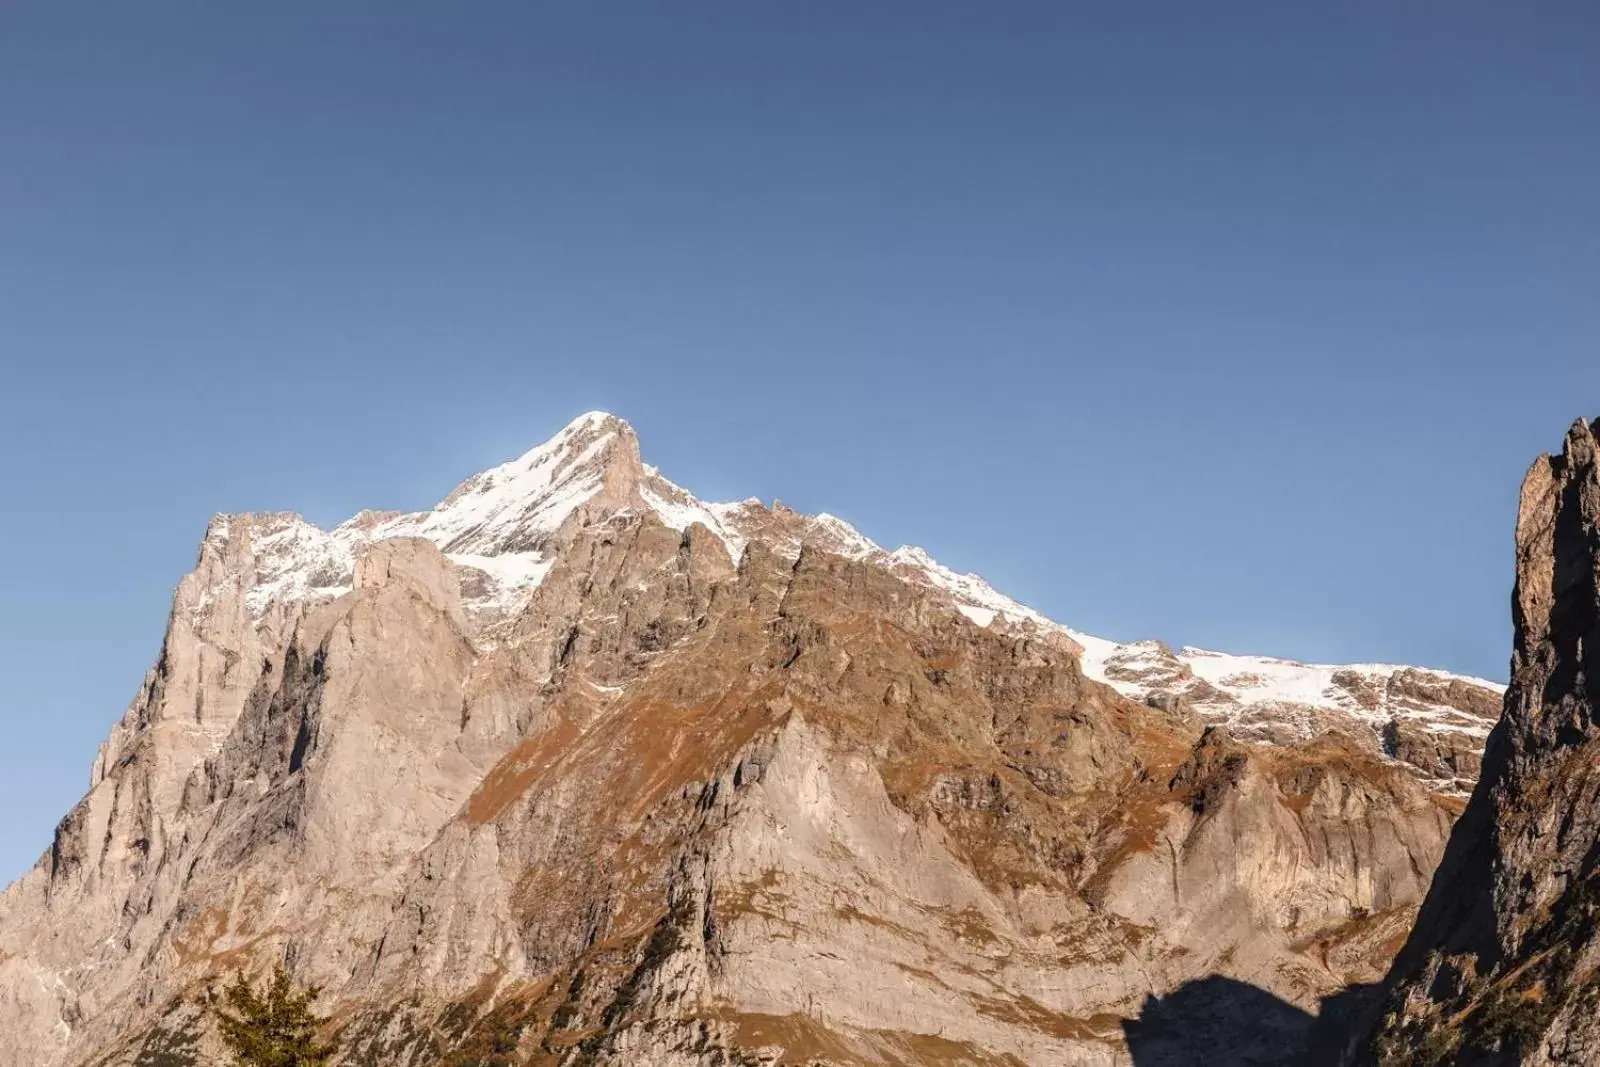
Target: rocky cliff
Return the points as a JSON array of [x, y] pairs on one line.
[[1504, 964], [575, 768]]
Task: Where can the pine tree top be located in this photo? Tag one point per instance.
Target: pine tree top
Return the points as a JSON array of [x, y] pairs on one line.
[[273, 1028]]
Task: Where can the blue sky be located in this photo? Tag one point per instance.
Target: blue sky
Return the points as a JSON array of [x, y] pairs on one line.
[[1232, 324]]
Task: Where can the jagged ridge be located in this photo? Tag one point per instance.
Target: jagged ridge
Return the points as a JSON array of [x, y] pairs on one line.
[[501, 524], [578, 755]]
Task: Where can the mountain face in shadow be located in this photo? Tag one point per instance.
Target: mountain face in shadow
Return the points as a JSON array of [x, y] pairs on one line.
[[1503, 965], [577, 764], [1220, 1022]]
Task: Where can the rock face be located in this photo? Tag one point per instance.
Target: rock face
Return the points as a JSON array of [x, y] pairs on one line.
[[1434, 723], [1504, 964], [577, 769]]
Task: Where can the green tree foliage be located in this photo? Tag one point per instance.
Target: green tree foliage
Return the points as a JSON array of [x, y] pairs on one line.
[[273, 1028]]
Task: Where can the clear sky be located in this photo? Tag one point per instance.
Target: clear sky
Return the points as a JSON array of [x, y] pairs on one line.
[[1232, 324]]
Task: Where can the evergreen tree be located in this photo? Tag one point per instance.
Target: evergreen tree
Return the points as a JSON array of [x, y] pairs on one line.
[[273, 1028]]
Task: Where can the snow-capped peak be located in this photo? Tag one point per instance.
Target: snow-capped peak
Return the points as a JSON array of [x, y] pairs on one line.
[[512, 507], [502, 522], [505, 524]]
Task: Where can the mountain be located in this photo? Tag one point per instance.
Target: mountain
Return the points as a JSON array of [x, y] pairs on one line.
[[576, 768], [1503, 966]]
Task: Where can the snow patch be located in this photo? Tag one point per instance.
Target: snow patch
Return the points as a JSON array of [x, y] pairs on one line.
[[516, 502], [678, 508], [981, 616], [501, 523]]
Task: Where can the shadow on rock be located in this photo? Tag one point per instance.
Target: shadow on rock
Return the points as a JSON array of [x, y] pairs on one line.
[[167, 1048], [1221, 1022]]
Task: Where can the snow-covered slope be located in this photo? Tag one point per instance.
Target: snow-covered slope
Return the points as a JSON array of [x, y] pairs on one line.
[[504, 526], [1435, 721], [501, 523]]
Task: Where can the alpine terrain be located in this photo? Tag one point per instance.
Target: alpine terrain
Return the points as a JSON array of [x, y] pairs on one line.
[[1504, 964], [575, 768]]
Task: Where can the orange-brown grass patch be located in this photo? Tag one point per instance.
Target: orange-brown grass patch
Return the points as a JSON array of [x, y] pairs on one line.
[[200, 935], [802, 1038], [633, 778], [806, 1041], [1161, 750], [969, 924], [1360, 948], [198, 941], [1296, 767], [855, 914], [510, 778], [1297, 802], [1025, 1011], [1136, 827], [476, 1028], [750, 898], [671, 745]]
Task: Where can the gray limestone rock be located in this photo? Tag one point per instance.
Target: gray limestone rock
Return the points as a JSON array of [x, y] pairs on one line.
[[577, 769], [1503, 966]]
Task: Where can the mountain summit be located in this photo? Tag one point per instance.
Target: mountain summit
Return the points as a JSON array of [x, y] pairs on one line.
[[503, 528], [1503, 966], [576, 768]]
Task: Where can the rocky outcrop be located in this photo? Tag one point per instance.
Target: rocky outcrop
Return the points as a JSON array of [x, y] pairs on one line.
[[1432, 723], [1503, 966], [576, 769]]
